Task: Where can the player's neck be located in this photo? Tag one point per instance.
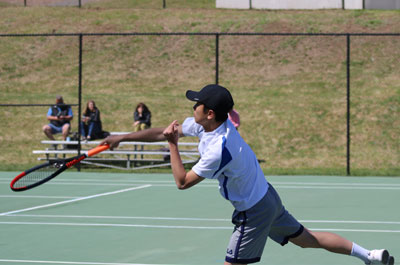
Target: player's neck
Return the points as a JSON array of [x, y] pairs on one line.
[[211, 125]]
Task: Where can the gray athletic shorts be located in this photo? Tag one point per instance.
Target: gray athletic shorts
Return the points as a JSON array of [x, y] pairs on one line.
[[268, 218]]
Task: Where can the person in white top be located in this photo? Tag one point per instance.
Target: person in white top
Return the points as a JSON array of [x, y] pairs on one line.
[[225, 156]]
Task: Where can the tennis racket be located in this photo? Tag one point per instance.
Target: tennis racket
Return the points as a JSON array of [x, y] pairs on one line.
[[41, 174]]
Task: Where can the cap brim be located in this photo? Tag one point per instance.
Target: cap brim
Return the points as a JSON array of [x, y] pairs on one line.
[[192, 95]]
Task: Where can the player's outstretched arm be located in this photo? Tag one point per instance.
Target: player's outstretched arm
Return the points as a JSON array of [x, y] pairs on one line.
[[148, 135]]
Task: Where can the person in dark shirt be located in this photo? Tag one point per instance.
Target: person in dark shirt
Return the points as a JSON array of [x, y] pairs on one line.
[[91, 127], [141, 117]]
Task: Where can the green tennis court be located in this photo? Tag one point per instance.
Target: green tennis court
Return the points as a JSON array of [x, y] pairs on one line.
[[109, 219]]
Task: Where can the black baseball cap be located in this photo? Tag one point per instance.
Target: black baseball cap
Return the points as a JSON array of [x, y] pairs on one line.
[[214, 97]]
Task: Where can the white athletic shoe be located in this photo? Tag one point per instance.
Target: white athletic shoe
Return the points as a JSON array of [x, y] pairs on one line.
[[391, 260], [378, 256]]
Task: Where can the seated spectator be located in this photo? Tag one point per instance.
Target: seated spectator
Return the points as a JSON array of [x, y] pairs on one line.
[[59, 116], [91, 127], [141, 117], [234, 117]]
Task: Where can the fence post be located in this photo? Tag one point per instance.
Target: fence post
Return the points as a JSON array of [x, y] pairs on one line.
[[348, 102], [80, 3], [80, 97], [164, 4], [24, 2], [216, 58]]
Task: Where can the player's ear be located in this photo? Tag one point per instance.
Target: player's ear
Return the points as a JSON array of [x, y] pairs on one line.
[[210, 114]]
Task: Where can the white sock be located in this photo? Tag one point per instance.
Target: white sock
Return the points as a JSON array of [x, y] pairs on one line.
[[359, 252]]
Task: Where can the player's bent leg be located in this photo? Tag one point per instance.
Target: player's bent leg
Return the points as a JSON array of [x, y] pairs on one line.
[[337, 244], [329, 241]]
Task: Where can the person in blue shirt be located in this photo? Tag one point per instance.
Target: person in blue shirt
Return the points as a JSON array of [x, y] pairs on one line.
[[258, 210], [60, 116]]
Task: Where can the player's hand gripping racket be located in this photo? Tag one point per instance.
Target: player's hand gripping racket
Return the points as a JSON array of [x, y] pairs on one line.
[[40, 174]]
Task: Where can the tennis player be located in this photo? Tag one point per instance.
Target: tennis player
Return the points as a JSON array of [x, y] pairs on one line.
[[225, 156]]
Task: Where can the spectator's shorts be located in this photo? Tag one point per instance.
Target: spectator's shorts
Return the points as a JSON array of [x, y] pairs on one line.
[[268, 218], [55, 129]]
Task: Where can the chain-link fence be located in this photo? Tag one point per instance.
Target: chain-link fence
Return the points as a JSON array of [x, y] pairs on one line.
[[307, 101]]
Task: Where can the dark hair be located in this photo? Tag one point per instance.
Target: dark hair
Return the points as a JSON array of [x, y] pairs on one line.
[[219, 116], [145, 108], [87, 110]]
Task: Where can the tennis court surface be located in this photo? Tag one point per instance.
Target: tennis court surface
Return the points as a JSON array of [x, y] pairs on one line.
[[110, 219]]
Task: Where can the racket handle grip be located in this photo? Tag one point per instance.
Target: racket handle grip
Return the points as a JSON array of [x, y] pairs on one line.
[[97, 150]]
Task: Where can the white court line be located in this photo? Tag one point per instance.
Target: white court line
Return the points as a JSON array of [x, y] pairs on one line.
[[71, 262], [337, 187], [61, 179], [122, 217], [37, 197], [74, 200], [114, 183], [333, 183], [272, 182], [187, 227], [171, 181], [190, 219], [350, 222], [354, 230], [124, 225], [388, 187]]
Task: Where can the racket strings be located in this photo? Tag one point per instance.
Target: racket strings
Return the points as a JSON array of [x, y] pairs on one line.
[[37, 175]]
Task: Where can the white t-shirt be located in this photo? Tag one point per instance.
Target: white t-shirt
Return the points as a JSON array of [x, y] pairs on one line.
[[225, 156]]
